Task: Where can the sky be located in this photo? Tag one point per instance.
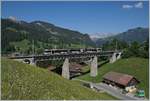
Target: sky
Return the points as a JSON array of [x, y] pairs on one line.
[[97, 18]]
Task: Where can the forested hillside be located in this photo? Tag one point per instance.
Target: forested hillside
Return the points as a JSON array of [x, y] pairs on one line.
[[20, 36]]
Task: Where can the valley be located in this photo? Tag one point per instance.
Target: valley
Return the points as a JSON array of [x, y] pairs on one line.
[[75, 50]]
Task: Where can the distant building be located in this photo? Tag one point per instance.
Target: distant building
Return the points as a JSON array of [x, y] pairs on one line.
[[121, 80]]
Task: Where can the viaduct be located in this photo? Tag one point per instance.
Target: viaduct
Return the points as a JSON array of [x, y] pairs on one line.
[[79, 55]]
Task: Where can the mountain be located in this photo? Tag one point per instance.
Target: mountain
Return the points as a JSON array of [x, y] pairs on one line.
[[19, 36], [138, 34], [25, 82]]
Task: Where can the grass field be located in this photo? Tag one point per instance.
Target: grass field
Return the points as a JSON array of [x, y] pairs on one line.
[[23, 82], [137, 67]]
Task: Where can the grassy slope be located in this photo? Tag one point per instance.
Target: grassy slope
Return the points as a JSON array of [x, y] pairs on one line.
[[137, 67], [21, 81]]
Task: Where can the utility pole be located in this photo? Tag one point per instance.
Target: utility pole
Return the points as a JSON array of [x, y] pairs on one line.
[[84, 44], [55, 47], [33, 50], [116, 45]]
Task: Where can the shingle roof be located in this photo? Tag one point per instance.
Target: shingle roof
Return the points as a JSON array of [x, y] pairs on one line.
[[119, 78]]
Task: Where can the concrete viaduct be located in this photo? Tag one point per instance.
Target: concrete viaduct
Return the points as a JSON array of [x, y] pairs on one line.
[[69, 57]]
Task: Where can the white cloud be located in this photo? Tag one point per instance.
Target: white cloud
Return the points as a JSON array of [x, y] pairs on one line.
[[127, 6], [138, 5]]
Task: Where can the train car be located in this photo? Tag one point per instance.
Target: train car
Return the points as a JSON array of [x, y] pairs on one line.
[[75, 51], [55, 51], [90, 50], [99, 49]]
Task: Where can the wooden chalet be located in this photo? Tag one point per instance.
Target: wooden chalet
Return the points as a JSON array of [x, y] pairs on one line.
[[120, 80]]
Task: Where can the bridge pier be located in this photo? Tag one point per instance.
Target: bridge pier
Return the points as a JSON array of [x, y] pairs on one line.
[[113, 58], [65, 69], [119, 55], [93, 71]]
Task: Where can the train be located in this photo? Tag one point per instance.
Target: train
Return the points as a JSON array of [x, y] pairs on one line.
[[69, 51]]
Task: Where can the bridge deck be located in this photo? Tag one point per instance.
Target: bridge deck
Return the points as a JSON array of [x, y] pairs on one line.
[[68, 55]]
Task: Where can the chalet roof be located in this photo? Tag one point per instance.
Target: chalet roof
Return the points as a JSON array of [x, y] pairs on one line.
[[120, 78]]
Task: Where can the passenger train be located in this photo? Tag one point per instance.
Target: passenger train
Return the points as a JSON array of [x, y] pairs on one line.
[[69, 51]]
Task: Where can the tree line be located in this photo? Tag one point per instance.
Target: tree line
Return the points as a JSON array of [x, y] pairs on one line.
[[133, 49]]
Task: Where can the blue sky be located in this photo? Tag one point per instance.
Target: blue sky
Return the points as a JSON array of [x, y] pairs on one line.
[[87, 17]]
